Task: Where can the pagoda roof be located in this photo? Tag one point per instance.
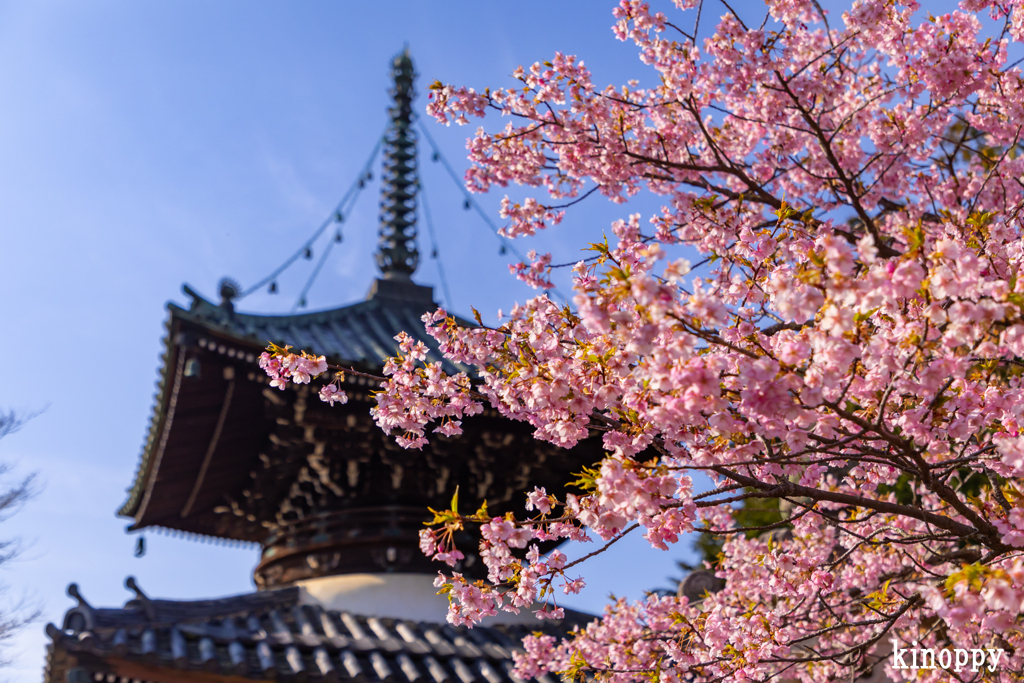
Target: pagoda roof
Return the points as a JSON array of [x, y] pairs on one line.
[[360, 335], [321, 488], [273, 634]]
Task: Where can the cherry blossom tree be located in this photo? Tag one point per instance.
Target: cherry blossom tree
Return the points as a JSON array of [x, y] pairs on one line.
[[849, 340]]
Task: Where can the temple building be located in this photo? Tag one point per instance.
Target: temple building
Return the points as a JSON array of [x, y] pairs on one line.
[[342, 590]]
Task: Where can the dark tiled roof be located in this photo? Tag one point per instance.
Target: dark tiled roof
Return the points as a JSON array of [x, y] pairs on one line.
[[271, 635], [362, 333]]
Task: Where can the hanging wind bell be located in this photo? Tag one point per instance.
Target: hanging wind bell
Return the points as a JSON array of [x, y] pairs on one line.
[[466, 205], [337, 236], [308, 253], [272, 289], [193, 368]]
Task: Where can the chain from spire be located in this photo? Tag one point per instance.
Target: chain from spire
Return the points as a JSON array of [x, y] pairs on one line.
[[397, 255]]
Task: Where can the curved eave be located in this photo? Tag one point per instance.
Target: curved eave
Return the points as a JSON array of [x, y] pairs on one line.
[[130, 506]]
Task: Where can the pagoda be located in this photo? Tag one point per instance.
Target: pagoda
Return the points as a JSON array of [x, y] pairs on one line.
[[335, 506]]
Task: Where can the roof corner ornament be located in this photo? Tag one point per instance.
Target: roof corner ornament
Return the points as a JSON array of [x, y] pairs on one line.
[[53, 632], [397, 255], [131, 584], [147, 605], [81, 617], [73, 592], [229, 291]]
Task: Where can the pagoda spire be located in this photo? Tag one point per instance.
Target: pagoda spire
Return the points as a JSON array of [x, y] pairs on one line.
[[397, 255]]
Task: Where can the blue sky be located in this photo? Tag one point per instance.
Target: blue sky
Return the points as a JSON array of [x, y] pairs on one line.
[[144, 145]]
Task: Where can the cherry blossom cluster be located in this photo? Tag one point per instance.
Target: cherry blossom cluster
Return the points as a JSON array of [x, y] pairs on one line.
[[519, 576], [537, 274], [417, 393], [827, 311], [283, 366], [851, 346]]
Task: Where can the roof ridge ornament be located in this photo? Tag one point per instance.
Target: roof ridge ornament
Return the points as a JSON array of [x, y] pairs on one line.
[[229, 291], [87, 620], [397, 255], [73, 592], [147, 605]]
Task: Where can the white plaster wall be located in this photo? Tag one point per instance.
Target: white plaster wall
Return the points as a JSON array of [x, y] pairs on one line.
[[398, 596]]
